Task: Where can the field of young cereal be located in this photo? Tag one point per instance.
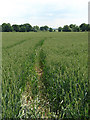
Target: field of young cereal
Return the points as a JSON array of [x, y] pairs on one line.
[[45, 75]]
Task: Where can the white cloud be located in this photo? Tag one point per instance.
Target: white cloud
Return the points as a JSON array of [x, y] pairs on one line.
[[43, 11]]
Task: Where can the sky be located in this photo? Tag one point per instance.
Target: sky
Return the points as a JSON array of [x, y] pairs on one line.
[[53, 13]]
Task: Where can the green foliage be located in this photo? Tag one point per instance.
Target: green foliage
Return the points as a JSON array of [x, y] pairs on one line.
[[15, 28], [74, 27], [83, 27], [42, 28], [59, 29], [66, 28], [50, 29], [61, 91], [46, 27], [35, 28], [6, 27], [28, 27], [22, 28]]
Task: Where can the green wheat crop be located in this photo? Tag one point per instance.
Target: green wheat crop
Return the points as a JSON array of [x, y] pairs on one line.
[[45, 75]]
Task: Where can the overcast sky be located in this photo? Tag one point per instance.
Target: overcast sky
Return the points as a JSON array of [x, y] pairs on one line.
[[53, 13]]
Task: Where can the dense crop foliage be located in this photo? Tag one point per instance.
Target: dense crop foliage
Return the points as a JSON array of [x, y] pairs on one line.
[[45, 75]]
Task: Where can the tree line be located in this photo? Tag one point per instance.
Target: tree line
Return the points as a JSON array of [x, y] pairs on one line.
[[7, 27]]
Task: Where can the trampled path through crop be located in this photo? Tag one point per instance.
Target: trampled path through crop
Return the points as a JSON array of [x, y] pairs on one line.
[[41, 95]]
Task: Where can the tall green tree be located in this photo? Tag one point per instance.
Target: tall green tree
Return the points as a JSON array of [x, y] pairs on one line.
[[28, 27], [15, 27], [35, 28], [42, 28], [6, 27], [74, 28], [72, 25], [59, 29], [88, 27], [83, 27], [22, 28], [50, 30], [66, 28], [46, 28]]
